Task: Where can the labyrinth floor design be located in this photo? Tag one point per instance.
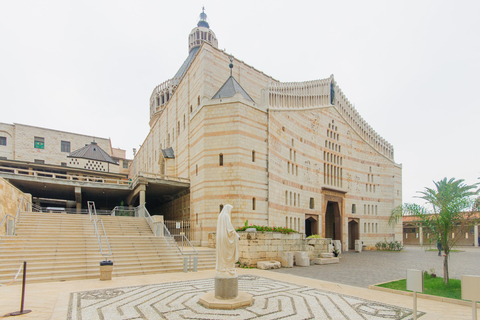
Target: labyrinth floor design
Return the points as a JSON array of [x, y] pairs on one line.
[[272, 300]]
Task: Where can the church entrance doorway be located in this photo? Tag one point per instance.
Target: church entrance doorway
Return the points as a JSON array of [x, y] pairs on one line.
[[311, 224], [353, 233], [333, 222]]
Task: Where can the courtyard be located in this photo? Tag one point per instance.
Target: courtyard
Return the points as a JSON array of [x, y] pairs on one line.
[[372, 267], [321, 292]]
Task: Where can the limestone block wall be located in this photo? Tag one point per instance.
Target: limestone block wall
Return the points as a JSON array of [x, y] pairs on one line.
[[261, 246], [51, 153], [10, 198], [7, 131], [228, 163]]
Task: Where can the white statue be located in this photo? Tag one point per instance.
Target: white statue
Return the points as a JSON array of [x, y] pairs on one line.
[[227, 244]]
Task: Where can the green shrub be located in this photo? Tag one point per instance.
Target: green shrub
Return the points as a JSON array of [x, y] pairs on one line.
[[315, 236], [389, 246], [267, 229]]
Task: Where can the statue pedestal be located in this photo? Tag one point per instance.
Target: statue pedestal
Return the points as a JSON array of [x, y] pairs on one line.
[[226, 295]]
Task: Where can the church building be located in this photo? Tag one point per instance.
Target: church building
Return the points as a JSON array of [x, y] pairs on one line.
[[289, 154]]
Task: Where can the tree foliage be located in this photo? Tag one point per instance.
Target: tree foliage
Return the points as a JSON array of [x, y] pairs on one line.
[[450, 213]]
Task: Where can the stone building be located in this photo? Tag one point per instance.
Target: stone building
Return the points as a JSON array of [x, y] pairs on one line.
[[57, 167], [291, 154]]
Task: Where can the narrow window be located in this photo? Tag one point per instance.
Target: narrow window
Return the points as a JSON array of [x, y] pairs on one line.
[[221, 207], [125, 164], [286, 197], [196, 215], [354, 208], [312, 203], [286, 222], [63, 164], [294, 155], [293, 142], [39, 143], [198, 100], [364, 227], [296, 169], [253, 204], [291, 198], [253, 155], [298, 224], [65, 146], [191, 109], [294, 199], [196, 169], [3, 141], [288, 167], [298, 200], [364, 209], [39, 161], [220, 159]]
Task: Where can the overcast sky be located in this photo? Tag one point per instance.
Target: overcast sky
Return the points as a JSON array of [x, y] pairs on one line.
[[411, 68]]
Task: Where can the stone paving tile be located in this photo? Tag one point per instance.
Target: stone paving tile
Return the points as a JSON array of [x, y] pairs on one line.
[[371, 267], [273, 299]]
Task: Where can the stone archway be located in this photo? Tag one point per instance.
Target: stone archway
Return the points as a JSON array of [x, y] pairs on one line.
[[353, 233], [333, 222], [311, 224], [333, 218]]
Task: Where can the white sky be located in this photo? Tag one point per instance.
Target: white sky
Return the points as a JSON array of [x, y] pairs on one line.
[[412, 68]]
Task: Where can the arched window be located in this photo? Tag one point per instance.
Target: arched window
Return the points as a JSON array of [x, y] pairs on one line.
[[253, 203], [220, 159]]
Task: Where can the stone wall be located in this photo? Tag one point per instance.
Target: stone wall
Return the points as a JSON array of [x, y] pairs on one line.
[[261, 246], [10, 197]]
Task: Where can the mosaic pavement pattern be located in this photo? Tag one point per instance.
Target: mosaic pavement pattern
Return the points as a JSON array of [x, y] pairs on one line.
[[272, 300]]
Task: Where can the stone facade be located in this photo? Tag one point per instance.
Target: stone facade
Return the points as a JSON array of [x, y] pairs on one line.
[[10, 198], [299, 155]]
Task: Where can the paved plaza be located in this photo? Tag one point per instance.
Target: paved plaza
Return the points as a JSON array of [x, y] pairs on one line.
[[273, 299], [372, 267], [278, 295]]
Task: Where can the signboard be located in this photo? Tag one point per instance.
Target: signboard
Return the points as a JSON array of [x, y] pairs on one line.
[[415, 280], [177, 225], [471, 288]]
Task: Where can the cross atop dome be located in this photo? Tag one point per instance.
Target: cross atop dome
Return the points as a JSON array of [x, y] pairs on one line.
[[203, 19]]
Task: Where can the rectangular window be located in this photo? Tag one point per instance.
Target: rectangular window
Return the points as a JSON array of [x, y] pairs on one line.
[[39, 143], [312, 203], [63, 164], [125, 164], [3, 158], [39, 161], [3, 141], [65, 146]]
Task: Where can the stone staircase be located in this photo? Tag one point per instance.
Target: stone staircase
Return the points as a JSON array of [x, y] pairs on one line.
[[60, 247]]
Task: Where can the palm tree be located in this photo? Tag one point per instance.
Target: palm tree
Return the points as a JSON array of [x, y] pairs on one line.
[[451, 209]]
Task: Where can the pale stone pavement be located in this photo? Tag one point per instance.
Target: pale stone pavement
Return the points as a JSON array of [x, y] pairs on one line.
[[52, 300], [372, 267]]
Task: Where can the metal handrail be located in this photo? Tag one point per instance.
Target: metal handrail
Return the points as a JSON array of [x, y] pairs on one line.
[[99, 238], [5, 218], [92, 211]]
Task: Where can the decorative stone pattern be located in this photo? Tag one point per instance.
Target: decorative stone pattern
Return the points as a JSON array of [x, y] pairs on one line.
[[272, 300]]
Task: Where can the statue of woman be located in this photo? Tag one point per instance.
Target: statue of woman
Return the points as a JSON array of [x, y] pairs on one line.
[[227, 244]]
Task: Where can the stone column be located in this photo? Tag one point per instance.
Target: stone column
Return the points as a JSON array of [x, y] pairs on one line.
[[475, 235], [420, 235], [78, 198], [142, 201]]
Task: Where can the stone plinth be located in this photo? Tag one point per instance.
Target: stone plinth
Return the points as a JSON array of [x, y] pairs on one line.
[[326, 255], [326, 260], [287, 259], [265, 265], [243, 299], [226, 288], [106, 268], [302, 259]]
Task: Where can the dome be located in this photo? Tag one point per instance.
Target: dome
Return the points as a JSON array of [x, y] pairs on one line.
[[202, 33]]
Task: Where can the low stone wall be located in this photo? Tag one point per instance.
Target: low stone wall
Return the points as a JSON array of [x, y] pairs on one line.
[[10, 197], [261, 246]]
